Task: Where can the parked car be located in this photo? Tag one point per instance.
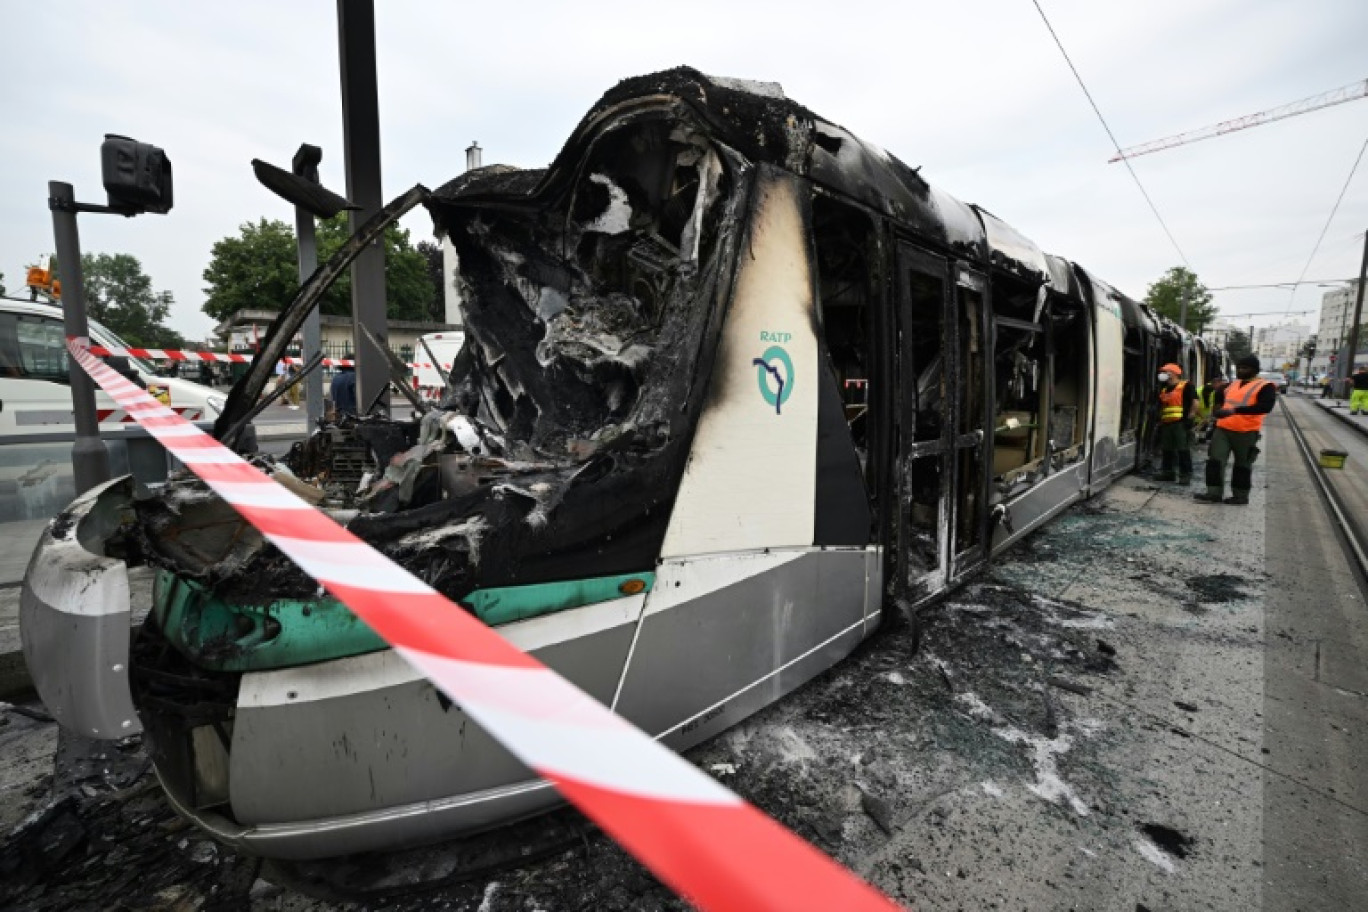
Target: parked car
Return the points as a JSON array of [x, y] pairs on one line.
[[1276, 377], [35, 395]]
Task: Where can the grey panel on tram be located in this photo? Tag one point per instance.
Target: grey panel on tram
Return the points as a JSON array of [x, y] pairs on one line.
[[691, 656], [1047, 499], [373, 748]]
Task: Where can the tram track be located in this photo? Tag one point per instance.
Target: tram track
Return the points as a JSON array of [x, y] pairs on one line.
[[1349, 531]]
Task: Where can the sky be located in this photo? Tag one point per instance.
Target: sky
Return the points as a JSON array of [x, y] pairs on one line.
[[975, 92]]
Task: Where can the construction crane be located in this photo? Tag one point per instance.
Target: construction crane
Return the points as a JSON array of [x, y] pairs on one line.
[[1351, 92]]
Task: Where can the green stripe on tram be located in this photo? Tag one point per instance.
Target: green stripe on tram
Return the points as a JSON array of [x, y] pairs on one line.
[[219, 635]]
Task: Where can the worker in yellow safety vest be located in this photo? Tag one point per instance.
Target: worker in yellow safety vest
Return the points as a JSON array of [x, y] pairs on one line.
[[1240, 411], [1206, 398], [1358, 399], [1177, 408]]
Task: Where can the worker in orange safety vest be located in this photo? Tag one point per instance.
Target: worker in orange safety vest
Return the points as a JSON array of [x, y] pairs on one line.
[[1240, 411], [1177, 408]]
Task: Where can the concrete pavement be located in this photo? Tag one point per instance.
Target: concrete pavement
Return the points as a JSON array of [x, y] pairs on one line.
[[1151, 704], [1339, 409]]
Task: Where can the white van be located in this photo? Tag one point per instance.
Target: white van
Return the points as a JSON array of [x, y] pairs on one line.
[[444, 347], [35, 392]]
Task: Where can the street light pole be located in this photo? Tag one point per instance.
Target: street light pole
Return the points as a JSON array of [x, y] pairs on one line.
[[89, 457]]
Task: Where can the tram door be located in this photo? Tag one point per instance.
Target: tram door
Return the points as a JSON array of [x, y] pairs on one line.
[[971, 371], [940, 417]]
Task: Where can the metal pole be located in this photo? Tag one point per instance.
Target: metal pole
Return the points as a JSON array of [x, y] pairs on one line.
[[305, 165], [313, 334], [1337, 373], [89, 458], [361, 147], [1358, 308]]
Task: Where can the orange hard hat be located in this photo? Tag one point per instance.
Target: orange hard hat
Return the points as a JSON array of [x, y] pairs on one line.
[[1172, 369]]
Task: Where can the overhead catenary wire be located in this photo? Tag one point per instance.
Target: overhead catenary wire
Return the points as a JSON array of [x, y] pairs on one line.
[[1269, 313], [1333, 209], [1116, 145], [1284, 284]]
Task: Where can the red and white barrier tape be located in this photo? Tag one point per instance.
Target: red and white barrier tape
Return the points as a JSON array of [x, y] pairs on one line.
[[188, 412], [176, 354], [699, 838]]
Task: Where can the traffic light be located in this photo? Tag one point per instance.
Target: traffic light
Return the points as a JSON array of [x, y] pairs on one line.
[[136, 175]]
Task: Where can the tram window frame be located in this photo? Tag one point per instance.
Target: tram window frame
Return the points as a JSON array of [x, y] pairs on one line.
[[923, 308], [1019, 433], [1133, 385], [924, 322], [1070, 341], [847, 280]]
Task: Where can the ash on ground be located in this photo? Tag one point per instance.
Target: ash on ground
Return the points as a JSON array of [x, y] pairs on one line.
[[1022, 749]]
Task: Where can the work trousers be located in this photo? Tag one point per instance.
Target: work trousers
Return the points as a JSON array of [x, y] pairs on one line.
[[1244, 446], [1358, 401], [1175, 442]]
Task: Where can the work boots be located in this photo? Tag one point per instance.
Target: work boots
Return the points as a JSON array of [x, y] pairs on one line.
[[1239, 498], [1208, 496]]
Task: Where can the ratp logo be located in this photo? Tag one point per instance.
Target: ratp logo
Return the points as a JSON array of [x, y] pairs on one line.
[[774, 371]]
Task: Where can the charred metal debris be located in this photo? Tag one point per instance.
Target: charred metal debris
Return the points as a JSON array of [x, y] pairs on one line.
[[593, 293]]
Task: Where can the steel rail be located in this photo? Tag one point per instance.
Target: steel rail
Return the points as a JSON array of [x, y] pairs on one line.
[[1350, 532]]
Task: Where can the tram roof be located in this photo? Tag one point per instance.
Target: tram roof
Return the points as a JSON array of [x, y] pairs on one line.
[[764, 125]]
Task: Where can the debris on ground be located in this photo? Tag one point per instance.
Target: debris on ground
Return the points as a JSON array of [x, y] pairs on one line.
[[1000, 743]]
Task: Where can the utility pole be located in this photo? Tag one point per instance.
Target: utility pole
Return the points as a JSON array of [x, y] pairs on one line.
[[1338, 355], [361, 150], [1358, 309]]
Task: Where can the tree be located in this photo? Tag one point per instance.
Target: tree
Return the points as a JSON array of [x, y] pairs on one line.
[[436, 270], [408, 291], [119, 295], [258, 270], [1307, 351], [2, 283], [1237, 344], [1166, 297]]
